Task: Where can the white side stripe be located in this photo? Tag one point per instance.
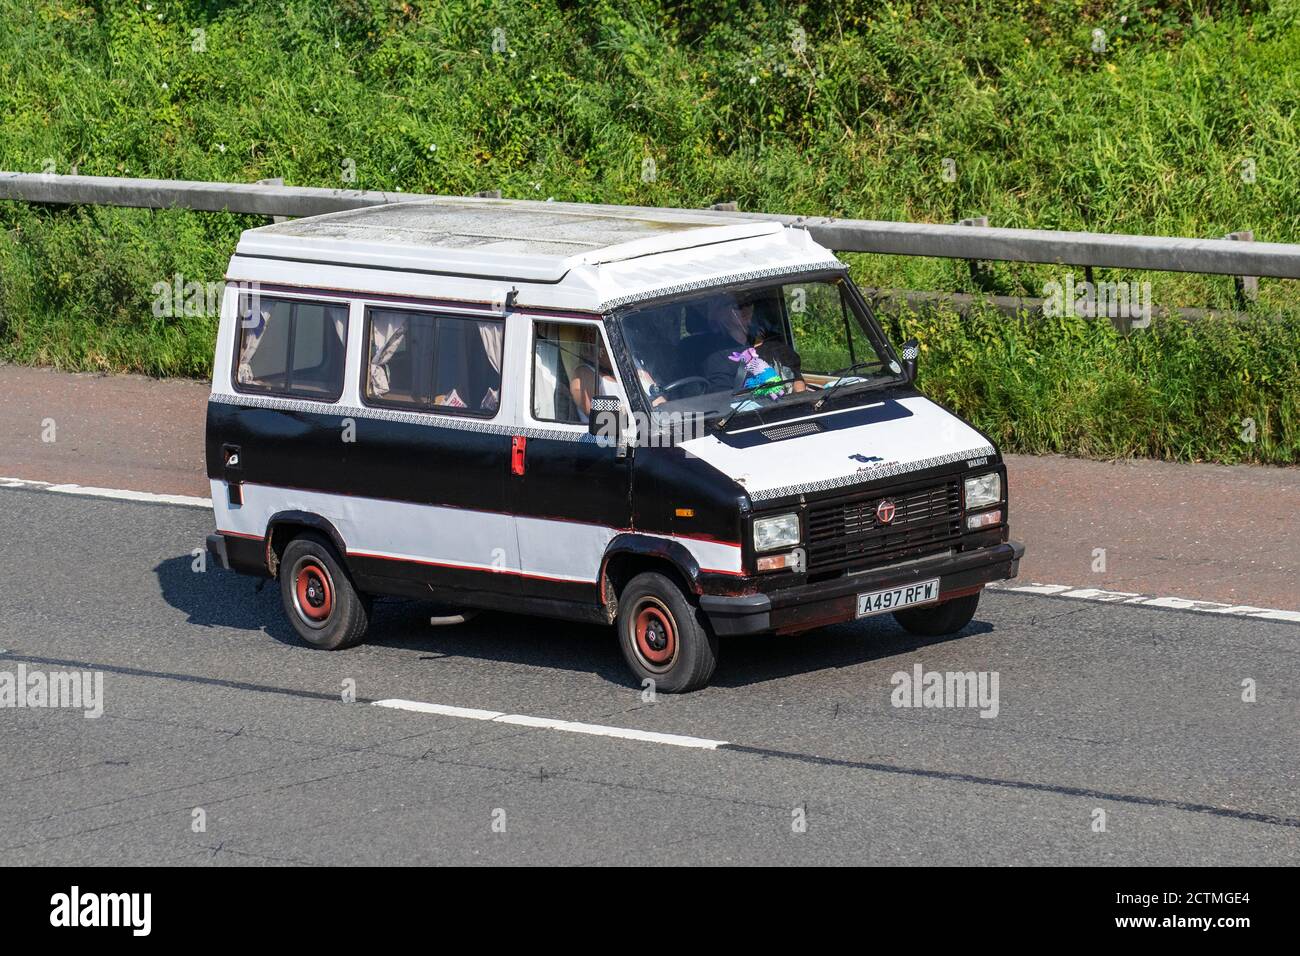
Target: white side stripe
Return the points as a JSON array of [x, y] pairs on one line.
[[551, 723], [1129, 597]]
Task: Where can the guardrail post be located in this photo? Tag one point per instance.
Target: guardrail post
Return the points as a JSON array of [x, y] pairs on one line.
[[276, 181], [1246, 287], [488, 194], [979, 268]]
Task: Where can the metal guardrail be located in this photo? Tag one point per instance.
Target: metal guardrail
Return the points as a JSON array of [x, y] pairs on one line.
[[1164, 254]]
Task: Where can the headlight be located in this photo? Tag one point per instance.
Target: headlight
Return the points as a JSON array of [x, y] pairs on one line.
[[780, 531], [983, 490]]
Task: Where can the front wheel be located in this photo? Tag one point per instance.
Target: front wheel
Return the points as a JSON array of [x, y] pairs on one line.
[[663, 636], [319, 598], [934, 620]]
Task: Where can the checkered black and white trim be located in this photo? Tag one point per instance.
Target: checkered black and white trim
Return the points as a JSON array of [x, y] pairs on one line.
[[428, 419], [885, 470], [660, 292]]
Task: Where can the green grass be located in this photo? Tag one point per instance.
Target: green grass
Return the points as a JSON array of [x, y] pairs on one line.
[[1148, 136]]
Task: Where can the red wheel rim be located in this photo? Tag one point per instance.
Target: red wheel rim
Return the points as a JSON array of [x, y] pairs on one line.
[[314, 591], [656, 638]]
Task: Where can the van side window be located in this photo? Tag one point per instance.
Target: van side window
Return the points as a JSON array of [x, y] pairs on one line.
[[291, 347], [428, 361], [570, 365]]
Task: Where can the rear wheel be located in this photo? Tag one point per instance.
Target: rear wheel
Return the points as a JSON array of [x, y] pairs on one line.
[[664, 637], [319, 598], [934, 620]]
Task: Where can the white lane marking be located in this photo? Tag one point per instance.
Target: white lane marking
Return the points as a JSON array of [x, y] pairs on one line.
[[187, 501], [444, 710], [1056, 590], [600, 730], [551, 723], [1129, 597]]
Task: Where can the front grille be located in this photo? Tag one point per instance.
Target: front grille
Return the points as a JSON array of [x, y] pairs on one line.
[[845, 533]]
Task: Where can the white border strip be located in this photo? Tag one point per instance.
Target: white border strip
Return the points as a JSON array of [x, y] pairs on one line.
[[1130, 597], [185, 501], [550, 723]]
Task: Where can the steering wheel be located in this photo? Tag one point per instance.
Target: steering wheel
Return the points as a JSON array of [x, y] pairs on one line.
[[683, 382]]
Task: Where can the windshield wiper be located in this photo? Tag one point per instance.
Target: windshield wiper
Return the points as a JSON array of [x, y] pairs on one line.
[[841, 381], [722, 422]]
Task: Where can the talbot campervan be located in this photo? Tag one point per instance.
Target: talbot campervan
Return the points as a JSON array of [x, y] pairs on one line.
[[683, 424]]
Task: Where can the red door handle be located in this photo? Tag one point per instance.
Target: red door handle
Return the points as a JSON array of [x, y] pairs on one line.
[[518, 444]]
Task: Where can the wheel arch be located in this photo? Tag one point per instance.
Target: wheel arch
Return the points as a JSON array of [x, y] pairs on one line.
[[283, 527], [629, 554]]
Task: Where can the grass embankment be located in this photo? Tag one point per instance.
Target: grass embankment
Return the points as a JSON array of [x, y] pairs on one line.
[[1184, 124]]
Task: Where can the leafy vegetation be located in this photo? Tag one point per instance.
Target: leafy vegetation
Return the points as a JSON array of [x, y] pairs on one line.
[[1179, 118]]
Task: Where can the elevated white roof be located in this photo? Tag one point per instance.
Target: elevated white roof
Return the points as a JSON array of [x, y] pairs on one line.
[[599, 255]]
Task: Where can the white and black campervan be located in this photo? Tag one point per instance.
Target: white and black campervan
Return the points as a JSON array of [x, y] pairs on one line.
[[683, 424]]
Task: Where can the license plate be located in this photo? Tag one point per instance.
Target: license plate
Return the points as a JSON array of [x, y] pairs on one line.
[[891, 599]]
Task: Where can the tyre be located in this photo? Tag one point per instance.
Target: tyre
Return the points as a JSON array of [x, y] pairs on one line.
[[934, 620], [319, 597], [664, 636]]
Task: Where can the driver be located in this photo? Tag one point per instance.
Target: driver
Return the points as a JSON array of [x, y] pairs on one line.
[[745, 357]]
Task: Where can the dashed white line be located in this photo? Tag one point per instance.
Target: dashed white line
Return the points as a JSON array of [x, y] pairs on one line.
[[1052, 590], [551, 723], [187, 501], [1131, 597]]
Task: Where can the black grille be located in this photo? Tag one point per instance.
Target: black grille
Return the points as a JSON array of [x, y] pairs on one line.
[[845, 533]]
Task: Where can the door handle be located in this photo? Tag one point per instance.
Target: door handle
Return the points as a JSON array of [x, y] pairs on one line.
[[232, 463]]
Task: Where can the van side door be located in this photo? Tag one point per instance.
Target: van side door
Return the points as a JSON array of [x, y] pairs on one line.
[[570, 493]]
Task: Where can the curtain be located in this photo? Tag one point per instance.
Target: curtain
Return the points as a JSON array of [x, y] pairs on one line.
[[545, 378], [252, 338], [492, 334], [387, 332]]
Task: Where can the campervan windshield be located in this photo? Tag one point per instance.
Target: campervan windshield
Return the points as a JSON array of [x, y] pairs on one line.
[[755, 348]]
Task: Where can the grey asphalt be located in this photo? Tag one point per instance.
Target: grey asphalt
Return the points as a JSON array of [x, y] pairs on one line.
[[211, 703]]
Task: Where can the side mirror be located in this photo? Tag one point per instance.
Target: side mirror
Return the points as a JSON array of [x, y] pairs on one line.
[[605, 423], [909, 353]]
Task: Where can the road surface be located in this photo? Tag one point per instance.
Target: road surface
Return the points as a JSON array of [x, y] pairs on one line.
[[213, 714]]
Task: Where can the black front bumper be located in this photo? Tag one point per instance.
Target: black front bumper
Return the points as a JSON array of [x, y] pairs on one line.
[[814, 605], [217, 548]]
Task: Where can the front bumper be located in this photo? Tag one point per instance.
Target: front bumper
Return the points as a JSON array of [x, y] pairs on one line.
[[814, 605], [217, 548]]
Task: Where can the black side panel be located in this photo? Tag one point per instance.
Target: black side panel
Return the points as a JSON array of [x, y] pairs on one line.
[[396, 460], [666, 480]]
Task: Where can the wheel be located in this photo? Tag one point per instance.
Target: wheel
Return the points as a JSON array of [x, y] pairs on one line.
[[936, 619], [664, 637], [683, 382], [319, 598]]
